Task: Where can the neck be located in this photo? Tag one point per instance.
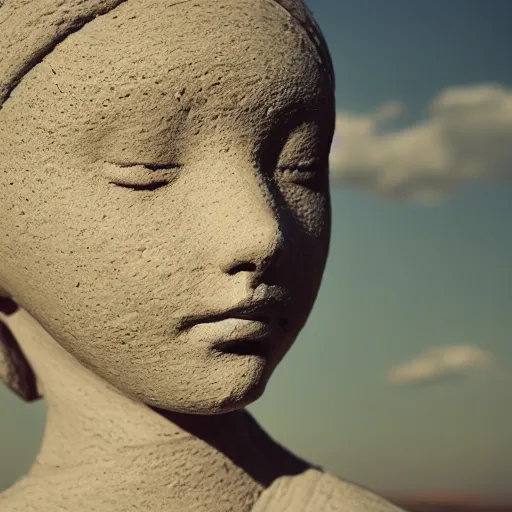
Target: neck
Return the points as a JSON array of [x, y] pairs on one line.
[[162, 456]]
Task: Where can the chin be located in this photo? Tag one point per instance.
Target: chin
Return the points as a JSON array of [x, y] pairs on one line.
[[213, 399], [239, 402]]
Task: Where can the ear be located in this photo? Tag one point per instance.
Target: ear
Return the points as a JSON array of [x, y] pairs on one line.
[[15, 371]]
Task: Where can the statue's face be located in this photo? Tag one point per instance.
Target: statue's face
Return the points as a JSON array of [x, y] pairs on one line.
[[170, 164]]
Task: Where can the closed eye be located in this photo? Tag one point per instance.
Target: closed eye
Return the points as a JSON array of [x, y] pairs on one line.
[[137, 176], [301, 168], [149, 186], [302, 174]]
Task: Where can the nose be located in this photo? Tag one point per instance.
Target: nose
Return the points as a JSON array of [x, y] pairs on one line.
[[256, 236], [258, 254]]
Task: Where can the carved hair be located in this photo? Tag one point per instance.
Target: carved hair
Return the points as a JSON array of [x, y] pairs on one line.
[[30, 31]]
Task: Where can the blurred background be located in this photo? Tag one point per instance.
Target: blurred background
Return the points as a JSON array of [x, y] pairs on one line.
[[402, 379]]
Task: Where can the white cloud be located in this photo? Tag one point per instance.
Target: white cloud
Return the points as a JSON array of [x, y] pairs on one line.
[[466, 137], [440, 362]]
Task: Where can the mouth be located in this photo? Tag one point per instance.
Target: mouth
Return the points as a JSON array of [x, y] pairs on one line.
[[252, 328], [256, 347], [250, 334], [265, 310]]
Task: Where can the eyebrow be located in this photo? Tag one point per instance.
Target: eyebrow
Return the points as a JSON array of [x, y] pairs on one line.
[[307, 110]]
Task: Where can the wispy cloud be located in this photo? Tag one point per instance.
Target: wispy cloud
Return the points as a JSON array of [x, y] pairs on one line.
[[466, 137], [440, 362]]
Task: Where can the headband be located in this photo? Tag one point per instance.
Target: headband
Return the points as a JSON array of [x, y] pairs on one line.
[[31, 29]]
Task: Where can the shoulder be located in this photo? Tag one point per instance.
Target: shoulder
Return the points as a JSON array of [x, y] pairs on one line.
[[316, 491]]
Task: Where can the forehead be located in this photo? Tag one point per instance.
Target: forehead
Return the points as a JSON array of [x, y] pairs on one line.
[[199, 36], [153, 56]]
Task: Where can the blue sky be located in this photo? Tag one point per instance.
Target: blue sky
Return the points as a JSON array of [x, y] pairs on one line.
[[402, 378]]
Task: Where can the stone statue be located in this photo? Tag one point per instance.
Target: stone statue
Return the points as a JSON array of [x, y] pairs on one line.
[[164, 225]]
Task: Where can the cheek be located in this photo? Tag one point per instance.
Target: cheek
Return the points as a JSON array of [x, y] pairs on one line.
[[311, 210], [311, 213], [91, 248]]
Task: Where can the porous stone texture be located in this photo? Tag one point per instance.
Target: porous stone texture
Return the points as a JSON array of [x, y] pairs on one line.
[[164, 226]]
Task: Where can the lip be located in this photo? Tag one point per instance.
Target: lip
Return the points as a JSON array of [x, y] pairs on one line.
[[241, 336], [264, 310], [252, 327]]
